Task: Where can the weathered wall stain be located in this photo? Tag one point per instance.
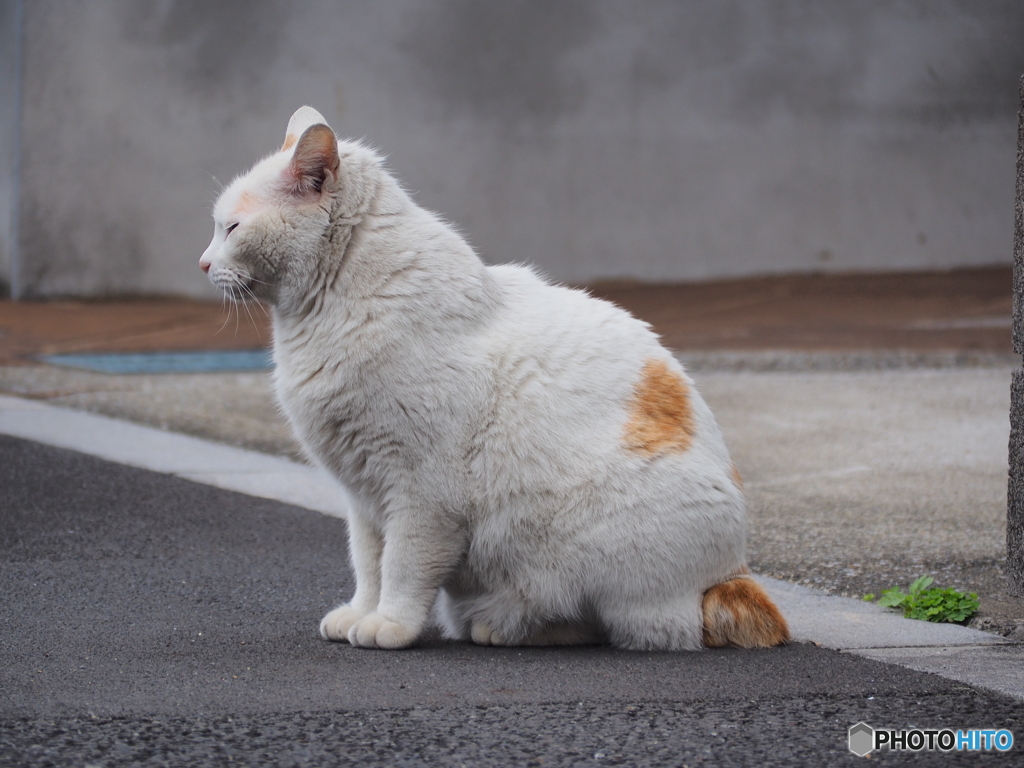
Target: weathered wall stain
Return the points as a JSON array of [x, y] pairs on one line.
[[838, 61], [221, 50], [63, 258], [499, 60], [975, 82]]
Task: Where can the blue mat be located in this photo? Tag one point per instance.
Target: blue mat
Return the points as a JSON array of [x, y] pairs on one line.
[[168, 362]]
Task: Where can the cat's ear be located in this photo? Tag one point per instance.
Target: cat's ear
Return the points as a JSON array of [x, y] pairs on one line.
[[315, 161], [304, 117]]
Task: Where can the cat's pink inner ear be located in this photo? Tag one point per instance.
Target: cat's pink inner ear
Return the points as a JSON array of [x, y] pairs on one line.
[[315, 160]]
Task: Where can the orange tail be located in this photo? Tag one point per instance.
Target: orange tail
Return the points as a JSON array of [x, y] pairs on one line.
[[739, 612]]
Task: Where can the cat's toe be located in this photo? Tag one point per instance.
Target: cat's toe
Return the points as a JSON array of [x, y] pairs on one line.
[[375, 631], [336, 624], [484, 635], [393, 636]]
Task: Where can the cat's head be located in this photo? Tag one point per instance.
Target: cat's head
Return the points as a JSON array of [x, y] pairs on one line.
[[271, 225]]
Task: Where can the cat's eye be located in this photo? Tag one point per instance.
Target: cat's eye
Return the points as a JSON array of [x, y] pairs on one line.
[[230, 229]]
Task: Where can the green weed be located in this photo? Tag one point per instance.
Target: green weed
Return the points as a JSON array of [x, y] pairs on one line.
[[930, 604]]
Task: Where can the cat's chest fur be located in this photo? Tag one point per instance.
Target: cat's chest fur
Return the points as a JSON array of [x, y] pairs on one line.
[[374, 406]]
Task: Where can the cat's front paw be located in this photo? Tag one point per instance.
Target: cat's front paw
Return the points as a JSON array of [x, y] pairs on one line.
[[375, 631], [484, 635], [336, 624]]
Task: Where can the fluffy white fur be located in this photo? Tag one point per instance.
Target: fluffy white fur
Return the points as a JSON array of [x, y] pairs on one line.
[[477, 415]]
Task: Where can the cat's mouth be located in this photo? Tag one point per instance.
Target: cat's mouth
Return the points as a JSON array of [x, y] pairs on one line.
[[236, 286]]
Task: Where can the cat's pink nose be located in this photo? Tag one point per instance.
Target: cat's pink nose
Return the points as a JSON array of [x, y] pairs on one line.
[[204, 265]]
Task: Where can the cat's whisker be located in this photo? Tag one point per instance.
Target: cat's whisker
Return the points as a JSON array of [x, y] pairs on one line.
[[247, 296], [234, 311], [238, 315], [256, 302], [251, 318], [261, 282], [250, 279], [227, 317]]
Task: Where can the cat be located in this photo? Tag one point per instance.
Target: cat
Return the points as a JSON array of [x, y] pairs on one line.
[[528, 465]]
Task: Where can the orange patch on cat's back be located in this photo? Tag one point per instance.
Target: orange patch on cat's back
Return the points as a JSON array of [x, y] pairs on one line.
[[289, 142], [660, 413], [736, 476]]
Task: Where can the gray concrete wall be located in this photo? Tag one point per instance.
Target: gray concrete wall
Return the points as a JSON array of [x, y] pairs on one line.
[[595, 138]]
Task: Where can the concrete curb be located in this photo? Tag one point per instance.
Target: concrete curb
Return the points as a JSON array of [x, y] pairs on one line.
[[844, 624], [223, 466], [866, 629]]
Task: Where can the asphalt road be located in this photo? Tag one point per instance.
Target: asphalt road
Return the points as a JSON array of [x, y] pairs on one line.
[[148, 620]]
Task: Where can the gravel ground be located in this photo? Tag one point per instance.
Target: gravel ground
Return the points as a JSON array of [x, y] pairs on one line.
[[861, 481], [858, 480], [780, 732]]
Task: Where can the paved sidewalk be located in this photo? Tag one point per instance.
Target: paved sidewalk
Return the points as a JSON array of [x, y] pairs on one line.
[[151, 620]]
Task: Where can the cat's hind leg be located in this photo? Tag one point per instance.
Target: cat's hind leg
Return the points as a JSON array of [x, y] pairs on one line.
[[568, 633], [562, 633], [671, 624], [503, 617], [739, 613], [482, 634], [449, 616]]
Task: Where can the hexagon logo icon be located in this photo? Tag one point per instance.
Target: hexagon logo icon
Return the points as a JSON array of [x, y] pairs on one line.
[[862, 739]]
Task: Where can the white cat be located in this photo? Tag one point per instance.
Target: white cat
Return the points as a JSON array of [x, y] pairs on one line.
[[524, 459]]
